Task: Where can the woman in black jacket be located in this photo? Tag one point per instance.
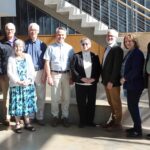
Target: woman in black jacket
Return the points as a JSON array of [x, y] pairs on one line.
[[86, 70]]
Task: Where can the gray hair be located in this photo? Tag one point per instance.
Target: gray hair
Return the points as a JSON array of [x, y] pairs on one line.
[[113, 32], [61, 28], [34, 25]]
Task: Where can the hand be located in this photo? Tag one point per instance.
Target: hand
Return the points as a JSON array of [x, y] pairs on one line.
[[23, 83], [122, 80], [50, 81], [85, 80], [43, 77], [71, 81], [109, 85], [90, 80]]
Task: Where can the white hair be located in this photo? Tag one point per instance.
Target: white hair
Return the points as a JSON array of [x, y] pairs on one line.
[[10, 25], [113, 32], [35, 26], [19, 42]]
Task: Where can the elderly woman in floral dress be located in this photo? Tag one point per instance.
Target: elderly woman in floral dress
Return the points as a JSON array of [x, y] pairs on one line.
[[22, 91]]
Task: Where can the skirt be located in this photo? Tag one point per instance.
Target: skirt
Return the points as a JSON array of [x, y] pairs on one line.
[[22, 100]]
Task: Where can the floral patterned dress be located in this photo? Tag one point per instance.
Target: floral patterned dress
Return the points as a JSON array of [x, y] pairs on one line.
[[22, 98]]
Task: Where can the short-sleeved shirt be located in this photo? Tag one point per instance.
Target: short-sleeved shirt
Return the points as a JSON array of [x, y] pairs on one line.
[[59, 56], [36, 50]]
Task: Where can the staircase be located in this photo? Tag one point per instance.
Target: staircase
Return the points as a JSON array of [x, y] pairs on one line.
[[73, 17], [93, 18]]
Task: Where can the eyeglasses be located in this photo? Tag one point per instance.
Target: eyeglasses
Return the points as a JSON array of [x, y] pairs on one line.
[[10, 29], [84, 44]]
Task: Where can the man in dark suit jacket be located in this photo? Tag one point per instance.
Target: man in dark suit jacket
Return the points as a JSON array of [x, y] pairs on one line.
[[6, 50], [86, 69], [111, 68]]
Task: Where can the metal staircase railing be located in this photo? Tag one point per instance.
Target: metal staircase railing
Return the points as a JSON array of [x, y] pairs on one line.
[[122, 15]]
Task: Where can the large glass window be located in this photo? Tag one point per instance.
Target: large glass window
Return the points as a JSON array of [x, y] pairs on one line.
[[27, 13]]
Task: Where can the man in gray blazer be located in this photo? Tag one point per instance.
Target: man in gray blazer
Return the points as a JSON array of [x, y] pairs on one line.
[[111, 68]]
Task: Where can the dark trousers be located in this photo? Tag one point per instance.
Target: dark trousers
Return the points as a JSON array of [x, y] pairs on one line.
[[133, 98], [86, 98]]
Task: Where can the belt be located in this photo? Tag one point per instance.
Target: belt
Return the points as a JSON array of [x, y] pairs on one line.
[[60, 71], [37, 69]]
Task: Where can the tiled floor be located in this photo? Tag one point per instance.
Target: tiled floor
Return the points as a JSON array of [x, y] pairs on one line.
[[73, 138]]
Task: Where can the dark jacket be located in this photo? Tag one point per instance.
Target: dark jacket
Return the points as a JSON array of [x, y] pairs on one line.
[[5, 52], [133, 70], [145, 72], [78, 71], [112, 66]]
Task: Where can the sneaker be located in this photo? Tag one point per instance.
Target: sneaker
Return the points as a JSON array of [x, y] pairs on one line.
[[54, 122], [65, 122]]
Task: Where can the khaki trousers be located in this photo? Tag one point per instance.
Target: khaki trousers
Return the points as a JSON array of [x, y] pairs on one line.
[[113, 97], [4, 84]]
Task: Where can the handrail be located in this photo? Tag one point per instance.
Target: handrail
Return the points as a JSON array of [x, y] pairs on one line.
[[140, 6], [123, 17], [135, 10]]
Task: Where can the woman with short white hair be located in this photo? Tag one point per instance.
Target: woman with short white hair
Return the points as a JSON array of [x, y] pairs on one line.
[[22, 91]]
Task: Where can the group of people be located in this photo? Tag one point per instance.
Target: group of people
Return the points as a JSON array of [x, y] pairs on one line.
[[26, 66]]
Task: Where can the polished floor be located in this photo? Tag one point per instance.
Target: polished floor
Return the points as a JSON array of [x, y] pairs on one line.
[[72, 138]]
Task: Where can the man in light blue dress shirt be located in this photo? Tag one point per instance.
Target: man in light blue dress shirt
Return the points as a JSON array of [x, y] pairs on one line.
[[57, 66]]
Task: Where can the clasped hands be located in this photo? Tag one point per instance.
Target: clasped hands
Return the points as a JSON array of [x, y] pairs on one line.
[[23, 83], [87, 80]]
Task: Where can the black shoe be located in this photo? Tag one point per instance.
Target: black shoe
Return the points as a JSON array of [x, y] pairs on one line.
[[91, 124], [134, 134], [130, 130], [54, 122], [81, 125], [148, 136], [65, 122], [41, 122]]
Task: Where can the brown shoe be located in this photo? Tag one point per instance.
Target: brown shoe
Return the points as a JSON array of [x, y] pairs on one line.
[[6, 123], [115, 127], [108, 125]]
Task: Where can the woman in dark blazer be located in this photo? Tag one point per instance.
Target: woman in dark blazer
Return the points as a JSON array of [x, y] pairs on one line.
[[86, 70], [133, 82]]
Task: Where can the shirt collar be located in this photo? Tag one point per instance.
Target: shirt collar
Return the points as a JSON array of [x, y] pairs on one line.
[[60, 44], [113, 44]]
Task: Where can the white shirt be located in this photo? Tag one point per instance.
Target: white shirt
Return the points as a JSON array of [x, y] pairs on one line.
[[87, 63], [107, 51]]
